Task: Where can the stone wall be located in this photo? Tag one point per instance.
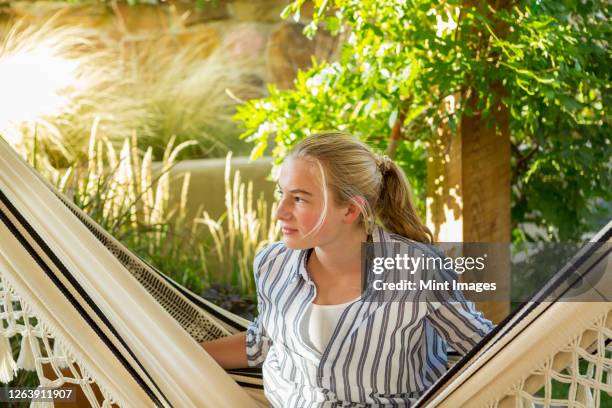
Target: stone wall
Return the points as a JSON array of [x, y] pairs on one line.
[[250, 30], [207, 183]]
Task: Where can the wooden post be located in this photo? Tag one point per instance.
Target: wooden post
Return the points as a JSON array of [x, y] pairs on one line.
[[468, 181], [469, 178]]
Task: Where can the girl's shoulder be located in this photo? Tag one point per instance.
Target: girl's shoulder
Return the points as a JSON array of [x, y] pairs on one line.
[[268, 254], [275, 263], [421, 248]]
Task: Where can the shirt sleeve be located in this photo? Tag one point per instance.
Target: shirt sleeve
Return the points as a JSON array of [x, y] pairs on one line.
[[456, 319], [257, 341]]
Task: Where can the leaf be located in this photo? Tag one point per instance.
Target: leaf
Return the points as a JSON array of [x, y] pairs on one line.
[[286, 11], [570, 103]]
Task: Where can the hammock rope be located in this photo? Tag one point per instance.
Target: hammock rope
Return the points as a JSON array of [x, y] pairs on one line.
[[580, 366]]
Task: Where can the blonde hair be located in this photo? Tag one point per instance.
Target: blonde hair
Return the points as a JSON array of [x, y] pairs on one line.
[[349, 168]]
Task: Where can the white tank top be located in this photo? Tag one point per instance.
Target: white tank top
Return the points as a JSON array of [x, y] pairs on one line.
[[319, 323]]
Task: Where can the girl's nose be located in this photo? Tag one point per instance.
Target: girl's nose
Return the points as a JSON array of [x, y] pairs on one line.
[[282, 212]]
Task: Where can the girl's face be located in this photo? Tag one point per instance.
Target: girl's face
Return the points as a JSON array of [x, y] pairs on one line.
[[301, 204]]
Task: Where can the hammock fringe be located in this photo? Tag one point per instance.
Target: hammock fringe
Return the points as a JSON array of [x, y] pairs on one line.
[[27, 360], [28, 357], [8, 367]]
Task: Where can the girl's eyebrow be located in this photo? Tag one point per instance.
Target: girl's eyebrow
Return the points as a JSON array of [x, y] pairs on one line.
[[297, 190]]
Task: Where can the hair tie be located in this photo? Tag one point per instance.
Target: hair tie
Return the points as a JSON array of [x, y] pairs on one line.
[[384, 163]]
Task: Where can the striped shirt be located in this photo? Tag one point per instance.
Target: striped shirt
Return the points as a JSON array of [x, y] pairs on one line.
[[381, 353]]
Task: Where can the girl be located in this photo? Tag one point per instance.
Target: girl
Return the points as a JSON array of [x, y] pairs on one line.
[[320, 343]]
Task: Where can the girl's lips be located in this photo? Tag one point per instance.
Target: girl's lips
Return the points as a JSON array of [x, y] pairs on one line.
[[288, 231]]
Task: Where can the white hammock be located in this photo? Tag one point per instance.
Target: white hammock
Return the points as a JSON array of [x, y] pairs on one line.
[[88, 312], [543, 343], [122, 325]]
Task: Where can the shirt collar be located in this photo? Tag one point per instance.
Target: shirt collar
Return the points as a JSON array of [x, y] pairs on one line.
[[300, 259], [299, 264]]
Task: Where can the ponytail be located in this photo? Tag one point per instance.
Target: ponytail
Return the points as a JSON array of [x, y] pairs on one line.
[[395, 208]]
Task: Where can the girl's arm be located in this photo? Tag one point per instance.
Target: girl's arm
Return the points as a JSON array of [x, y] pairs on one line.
[[248, 348], [228, 352], [461, 325], [455, 318]]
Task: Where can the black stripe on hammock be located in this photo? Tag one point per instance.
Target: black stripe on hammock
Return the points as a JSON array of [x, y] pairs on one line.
[[523, 310], [248, 385], [251, 372], [62, 268]]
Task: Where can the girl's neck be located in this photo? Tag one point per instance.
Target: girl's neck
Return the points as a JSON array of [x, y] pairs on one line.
[[341, 256]]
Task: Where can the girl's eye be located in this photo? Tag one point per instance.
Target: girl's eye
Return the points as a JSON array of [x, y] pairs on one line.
[[278, 194]]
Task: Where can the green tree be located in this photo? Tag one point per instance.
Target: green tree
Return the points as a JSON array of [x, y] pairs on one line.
[[401, 59]]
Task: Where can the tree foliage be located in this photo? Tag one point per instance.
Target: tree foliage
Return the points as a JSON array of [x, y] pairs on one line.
[[400, 60]]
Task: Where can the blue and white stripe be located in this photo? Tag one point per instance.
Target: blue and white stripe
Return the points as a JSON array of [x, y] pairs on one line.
[[381, 353]]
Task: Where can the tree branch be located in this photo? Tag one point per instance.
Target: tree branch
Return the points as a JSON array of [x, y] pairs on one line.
[[396, 133]]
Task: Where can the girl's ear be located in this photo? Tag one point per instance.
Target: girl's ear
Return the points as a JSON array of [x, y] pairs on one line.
[[354, 209]]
